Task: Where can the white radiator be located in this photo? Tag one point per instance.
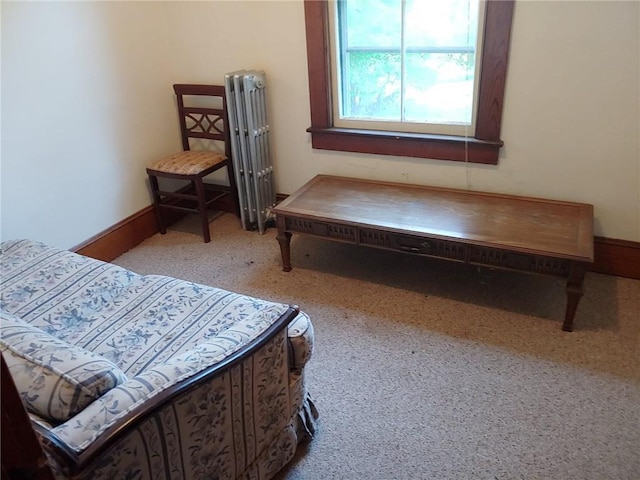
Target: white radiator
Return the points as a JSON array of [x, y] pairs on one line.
[[249, 130]]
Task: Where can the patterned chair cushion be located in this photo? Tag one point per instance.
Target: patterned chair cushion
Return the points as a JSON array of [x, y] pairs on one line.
[[54, 379], [187, 163]]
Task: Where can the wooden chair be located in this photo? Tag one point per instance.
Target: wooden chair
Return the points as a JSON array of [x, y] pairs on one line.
[[196, 122]]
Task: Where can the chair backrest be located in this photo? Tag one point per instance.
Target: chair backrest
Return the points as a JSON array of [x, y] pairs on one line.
[[197, 121]]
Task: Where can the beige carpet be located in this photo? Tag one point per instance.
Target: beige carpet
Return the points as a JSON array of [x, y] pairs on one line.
[[427, 369]]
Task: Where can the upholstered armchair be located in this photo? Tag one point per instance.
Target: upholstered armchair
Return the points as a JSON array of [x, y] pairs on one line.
[[131, 376]]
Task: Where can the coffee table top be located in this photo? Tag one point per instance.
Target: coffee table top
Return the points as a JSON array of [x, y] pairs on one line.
[[531, 225]]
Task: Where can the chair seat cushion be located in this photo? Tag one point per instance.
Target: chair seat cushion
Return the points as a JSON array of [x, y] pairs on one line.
[[187, 163]]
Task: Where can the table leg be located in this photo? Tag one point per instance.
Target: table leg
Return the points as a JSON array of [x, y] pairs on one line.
[[574, 294], [284, 239]]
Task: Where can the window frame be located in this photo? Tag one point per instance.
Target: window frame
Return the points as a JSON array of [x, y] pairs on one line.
[[483, 147], [341, 51]]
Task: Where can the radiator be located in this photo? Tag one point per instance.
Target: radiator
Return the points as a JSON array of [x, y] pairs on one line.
[[249, 131]]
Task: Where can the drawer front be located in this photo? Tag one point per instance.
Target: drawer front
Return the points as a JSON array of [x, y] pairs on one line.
[[375, 238], [429, 246], [519, 261], [336, 231]]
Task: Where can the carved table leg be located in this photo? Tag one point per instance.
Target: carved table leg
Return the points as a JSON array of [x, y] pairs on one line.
[[284, 239], [574, 293]]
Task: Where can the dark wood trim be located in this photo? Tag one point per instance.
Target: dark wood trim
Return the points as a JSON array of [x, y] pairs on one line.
[[21, 452], [616, 257], [133, 230], [495, 53], [121, 237], [483, 148], [441, 147], [317, 27]]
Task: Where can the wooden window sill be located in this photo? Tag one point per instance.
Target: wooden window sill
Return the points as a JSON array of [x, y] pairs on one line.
[[442, 147]]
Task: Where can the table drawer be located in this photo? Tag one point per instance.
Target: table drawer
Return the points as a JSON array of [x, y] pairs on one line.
[[336, 231], [518, 261], [429, 246]]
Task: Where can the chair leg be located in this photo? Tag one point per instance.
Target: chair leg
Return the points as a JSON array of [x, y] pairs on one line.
[[202, 207], [155, 188], [233, 188]]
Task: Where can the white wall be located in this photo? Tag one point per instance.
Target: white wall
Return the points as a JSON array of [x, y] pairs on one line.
[[86, 103], [571, 124]]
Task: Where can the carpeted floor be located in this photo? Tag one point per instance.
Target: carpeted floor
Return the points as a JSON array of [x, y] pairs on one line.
[[427, 369]]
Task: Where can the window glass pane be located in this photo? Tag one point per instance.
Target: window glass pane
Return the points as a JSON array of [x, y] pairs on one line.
[[410, 61], [441, 23], [439, 81], [439, 88], [373, 23], [373, 87]]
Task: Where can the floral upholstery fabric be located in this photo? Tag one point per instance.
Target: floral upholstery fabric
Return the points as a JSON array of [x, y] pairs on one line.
[[135, 321], [54, 379], [243, 420], [300, 341], [187, 163]]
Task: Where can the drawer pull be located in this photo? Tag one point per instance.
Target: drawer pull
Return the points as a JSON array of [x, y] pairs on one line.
[[407, 248], [422, 248]]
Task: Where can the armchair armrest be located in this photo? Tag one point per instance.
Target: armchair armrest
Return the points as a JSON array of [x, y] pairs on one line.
[[174, 397], [301, 338]]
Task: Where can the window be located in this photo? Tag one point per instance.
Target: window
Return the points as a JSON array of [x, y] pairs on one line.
[[468, 134], [405, 65]]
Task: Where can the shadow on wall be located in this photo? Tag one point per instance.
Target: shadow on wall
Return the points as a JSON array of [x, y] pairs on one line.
[[96, 77]]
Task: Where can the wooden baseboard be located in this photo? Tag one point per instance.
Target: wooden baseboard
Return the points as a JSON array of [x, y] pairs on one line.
[[616, 257], [121, 237], [126, 234], [611, 256]]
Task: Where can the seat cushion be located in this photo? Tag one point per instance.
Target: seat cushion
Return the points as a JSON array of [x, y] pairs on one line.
[[55, 380], [187, 163], [135, 321]]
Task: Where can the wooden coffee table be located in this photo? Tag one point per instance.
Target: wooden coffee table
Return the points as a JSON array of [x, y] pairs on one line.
[[499, 231]]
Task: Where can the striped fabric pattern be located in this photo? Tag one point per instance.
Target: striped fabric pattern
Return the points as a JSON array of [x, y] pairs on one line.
[[54, 379], [234, 426], [160, 331], [134, 321]]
